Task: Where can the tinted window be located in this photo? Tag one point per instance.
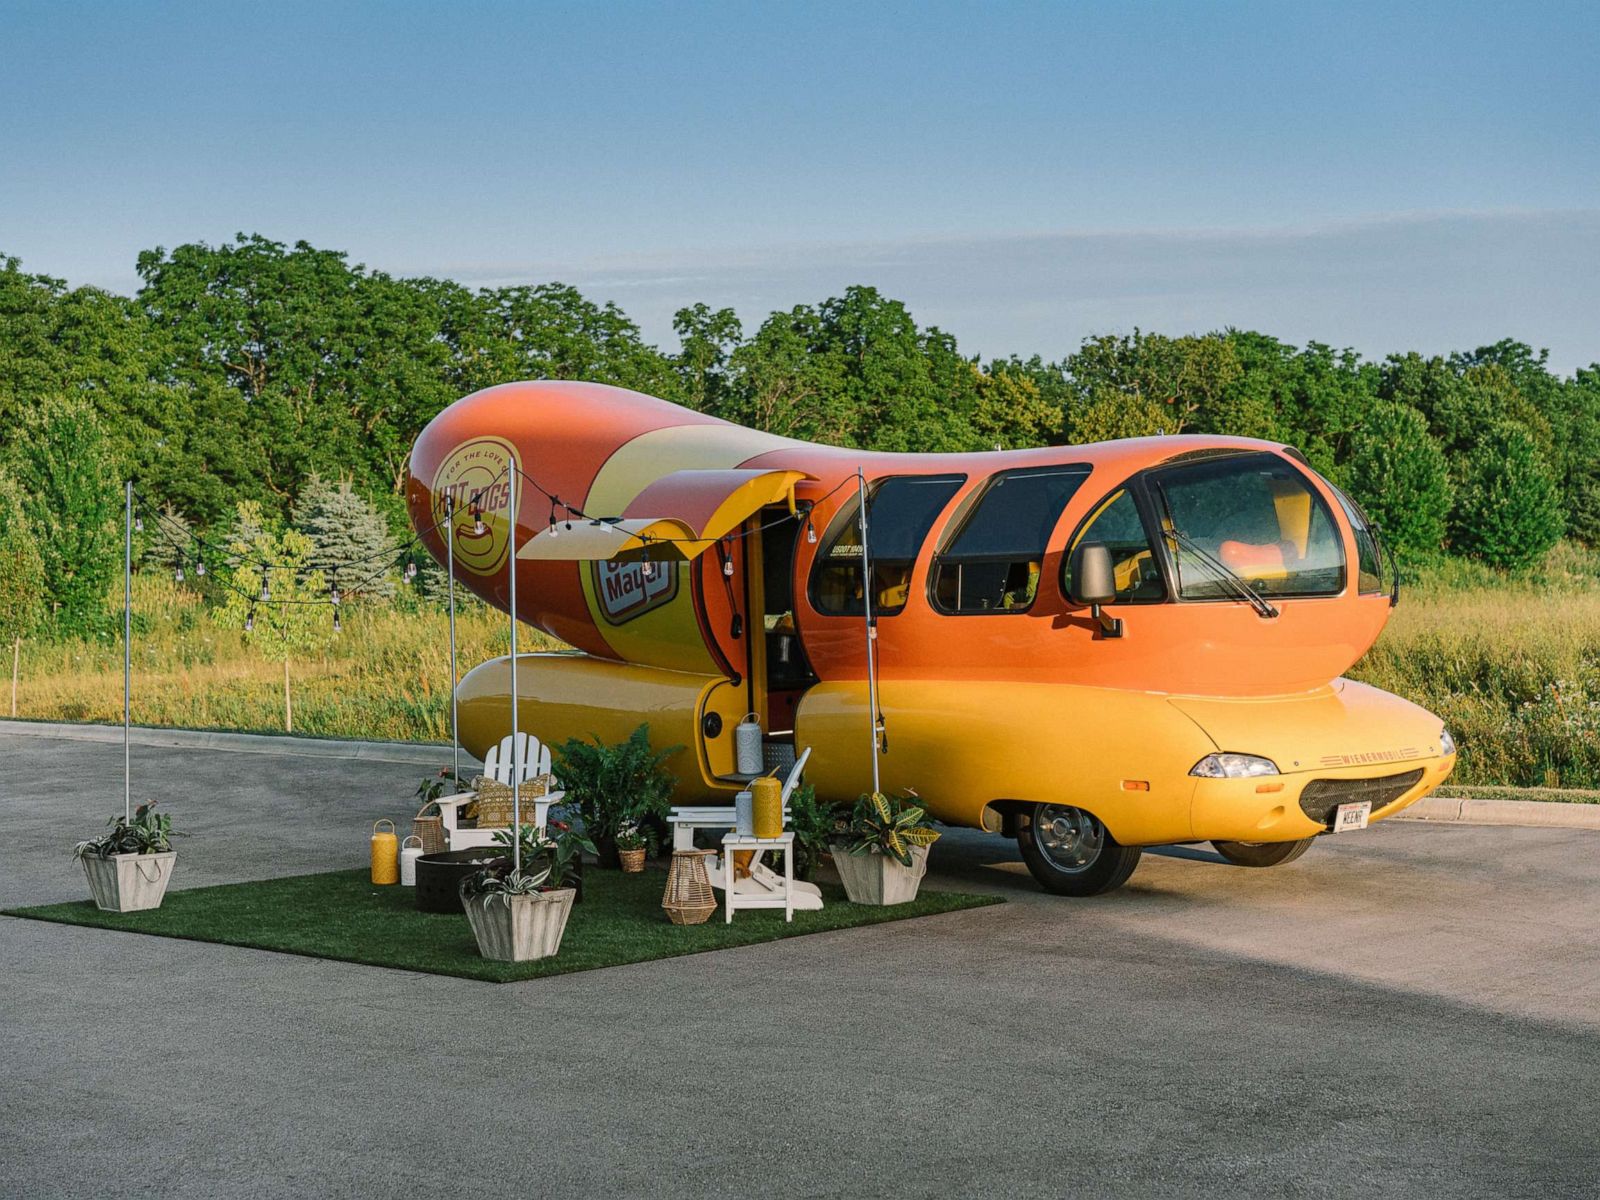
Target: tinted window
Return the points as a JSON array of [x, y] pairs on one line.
[[992, 564], [1369, 562], [1116, 524], [1258, 517], [900, 511]]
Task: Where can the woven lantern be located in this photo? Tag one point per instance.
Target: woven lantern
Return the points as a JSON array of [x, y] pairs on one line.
[[689, 899]]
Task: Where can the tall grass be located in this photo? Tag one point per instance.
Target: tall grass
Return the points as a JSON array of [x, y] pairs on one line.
[[386, 676], [1512, 665]]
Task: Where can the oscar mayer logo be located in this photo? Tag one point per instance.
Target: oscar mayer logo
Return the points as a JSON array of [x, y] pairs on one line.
[[629, 589], [476, 475]]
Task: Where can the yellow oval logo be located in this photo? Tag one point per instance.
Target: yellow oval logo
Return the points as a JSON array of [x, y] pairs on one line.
[[476, 476]]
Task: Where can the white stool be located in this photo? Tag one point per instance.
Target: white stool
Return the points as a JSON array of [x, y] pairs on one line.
[[778, 894]]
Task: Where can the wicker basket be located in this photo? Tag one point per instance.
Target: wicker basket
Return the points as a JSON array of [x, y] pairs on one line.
[[689, 899], [632, 860], [429, 829], [494, 803]]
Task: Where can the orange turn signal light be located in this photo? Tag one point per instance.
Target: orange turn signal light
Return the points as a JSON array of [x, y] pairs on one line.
[[1269, 787], [1136, 785]]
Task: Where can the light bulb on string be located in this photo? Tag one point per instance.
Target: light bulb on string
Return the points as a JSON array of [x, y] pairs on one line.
[[336, 626], [333, 590], [138, 524], [554, 532], [727, 562], [199, 566], [477, 521], [811, 532], [250, 620], [266, 586], [411, 571], [177, 574]]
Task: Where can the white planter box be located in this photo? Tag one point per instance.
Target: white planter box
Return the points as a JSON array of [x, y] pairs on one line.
[[878, 878], [519, 928], [129, 882]]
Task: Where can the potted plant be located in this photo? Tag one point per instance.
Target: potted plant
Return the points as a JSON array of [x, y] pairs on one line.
[[635, 842], [520, 915], [613, 785], [816, 826], [560, 839], [883, 853], [129, 868]]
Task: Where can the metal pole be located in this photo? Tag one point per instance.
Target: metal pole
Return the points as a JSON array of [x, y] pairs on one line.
[[516, 742], [127, 652], [872, 627], [450, 565]]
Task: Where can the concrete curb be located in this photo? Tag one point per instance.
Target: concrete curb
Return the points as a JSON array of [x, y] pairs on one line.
[[416, 753], [1467, 811]]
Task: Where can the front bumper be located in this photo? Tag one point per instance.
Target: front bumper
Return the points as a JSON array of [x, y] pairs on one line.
[[1285, 808]]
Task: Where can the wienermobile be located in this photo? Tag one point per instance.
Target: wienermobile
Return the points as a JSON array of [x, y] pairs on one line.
[[1092, 649]]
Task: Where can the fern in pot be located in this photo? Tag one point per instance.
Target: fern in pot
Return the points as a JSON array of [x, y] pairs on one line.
[[518, 915], [613, 786], [882, 854], [129, 868]]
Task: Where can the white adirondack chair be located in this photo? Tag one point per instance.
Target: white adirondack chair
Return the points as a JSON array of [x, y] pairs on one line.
[[500, 764], [762, 880]]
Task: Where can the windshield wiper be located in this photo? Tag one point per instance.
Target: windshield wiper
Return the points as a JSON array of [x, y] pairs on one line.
[[1225, 574]]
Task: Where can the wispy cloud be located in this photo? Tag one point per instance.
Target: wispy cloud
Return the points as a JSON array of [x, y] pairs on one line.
[[1429, 281]]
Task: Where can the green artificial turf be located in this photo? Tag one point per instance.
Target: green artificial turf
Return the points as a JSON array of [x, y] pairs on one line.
[[341, 915]]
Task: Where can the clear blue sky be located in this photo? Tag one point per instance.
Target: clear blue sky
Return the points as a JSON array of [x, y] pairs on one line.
[[1385, 176]]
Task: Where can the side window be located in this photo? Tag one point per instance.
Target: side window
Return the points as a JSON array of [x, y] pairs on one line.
[[1256, 516], [900, 511], [992, 563], [1116, 523], [1369, 560]]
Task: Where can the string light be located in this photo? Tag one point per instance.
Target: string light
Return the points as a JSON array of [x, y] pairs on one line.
[[411, 571], [138, 524], [250, 619], [336, 626], [811, 532], [266, 585], [177, 575], [199, 566], [553, 531]]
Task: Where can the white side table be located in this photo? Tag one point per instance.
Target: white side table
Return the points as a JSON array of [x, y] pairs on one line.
[[780, 894]]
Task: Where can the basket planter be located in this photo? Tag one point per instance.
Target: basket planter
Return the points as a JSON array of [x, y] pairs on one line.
[[129, 882], [519, 928], [632, 860], [878, 878]]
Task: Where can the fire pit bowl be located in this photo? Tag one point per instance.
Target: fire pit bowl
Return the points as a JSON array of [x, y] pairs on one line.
[[439, 877]]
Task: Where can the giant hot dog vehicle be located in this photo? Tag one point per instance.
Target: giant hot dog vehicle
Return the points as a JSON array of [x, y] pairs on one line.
[[1091, 648]]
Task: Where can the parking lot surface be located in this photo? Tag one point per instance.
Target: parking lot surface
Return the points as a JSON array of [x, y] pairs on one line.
[[1410, 1010]]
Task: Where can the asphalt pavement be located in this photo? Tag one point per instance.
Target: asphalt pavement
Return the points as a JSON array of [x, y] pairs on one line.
[[1410, 1011]]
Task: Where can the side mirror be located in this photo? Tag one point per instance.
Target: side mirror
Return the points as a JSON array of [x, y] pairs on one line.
[[1094, 582]]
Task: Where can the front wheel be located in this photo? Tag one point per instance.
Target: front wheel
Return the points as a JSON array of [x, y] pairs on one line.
[[1071, 853], [1262, 854]]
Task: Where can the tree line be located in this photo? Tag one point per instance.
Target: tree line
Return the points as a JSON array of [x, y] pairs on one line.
[[242, 372]]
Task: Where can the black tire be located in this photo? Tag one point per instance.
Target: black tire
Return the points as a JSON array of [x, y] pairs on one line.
[[1262, 854], [1088, 863]]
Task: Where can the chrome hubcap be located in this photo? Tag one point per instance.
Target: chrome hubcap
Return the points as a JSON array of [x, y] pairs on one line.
[[1068, 837]]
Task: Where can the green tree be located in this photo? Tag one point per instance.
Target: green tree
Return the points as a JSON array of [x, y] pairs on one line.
[[344, 528], [1010, 412], [1508, 508], [71, 496], [706, 341], [22, 582], [1399, 474], [293, 618]]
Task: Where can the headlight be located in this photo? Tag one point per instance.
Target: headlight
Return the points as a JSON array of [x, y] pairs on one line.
[[1233, 766], [1447, 744]]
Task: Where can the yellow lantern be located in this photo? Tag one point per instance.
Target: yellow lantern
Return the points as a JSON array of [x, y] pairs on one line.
[[767, 799], [385, 853]]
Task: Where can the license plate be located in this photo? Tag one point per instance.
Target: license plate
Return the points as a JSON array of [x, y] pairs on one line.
[[1351, 816]]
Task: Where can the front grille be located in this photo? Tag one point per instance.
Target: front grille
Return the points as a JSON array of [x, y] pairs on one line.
[[1322, 796]]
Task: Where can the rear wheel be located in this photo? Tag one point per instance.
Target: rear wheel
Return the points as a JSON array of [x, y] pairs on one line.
[[1071, 853], [1262, 854]]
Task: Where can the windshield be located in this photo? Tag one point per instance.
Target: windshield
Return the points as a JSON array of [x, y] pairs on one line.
[[1258, 517]]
